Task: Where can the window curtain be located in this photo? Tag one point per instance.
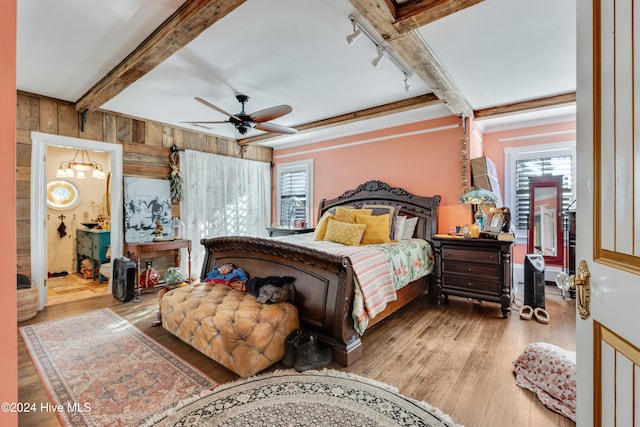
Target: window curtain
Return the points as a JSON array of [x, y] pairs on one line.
[[223, 196]]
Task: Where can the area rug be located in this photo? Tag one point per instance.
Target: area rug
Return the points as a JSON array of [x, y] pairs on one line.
[[100, 370], [312, 398]]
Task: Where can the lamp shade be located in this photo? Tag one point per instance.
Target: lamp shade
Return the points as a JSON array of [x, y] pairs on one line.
[[478, 196]]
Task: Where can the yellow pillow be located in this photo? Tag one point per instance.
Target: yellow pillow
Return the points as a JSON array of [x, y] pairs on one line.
[[377, 230], [321, 227], [349, 215], [343, 232]]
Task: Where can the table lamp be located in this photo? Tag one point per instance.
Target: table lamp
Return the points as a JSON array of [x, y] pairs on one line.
[[479, 196]]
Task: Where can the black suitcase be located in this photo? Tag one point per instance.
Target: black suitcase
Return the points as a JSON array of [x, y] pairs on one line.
[[124, 279]]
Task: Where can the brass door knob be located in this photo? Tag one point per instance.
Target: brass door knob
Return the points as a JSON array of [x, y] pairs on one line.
[[579, 282]]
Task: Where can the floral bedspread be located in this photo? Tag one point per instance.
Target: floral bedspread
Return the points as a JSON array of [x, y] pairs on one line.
[[380, 270]]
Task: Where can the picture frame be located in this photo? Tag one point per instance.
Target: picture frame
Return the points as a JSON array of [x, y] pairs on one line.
[[146, 200], [494, 222]]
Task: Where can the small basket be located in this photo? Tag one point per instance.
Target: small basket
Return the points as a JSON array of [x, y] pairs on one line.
[[27, 303]]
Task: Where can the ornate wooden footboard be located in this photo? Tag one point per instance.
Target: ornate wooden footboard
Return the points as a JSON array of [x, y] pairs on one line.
[[324, 282]]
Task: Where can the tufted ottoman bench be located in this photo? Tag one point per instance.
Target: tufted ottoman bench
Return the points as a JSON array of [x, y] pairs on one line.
[[229, 326]]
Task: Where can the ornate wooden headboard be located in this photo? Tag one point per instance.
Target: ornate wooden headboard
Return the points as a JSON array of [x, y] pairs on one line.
[[378, 192]]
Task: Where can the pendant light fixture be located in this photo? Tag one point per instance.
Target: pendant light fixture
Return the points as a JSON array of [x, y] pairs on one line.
[[77, 167]]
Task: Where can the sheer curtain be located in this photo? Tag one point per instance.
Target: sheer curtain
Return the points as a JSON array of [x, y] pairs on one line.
[[223, 196]]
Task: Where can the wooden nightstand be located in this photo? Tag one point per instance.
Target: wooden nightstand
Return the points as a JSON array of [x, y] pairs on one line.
[[474, 268], [286, 231]]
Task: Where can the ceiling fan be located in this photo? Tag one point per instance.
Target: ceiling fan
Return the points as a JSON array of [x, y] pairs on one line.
[[258, 120]]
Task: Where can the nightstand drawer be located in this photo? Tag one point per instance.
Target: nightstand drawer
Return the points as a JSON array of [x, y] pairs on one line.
[[471, 255], [474, 284], [485, 270]]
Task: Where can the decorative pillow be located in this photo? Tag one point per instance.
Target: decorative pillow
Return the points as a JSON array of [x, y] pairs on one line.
[[344, 232], [550, 372], [333, 209], [385, 209], [409, 227], [321, 227], [349, 215], [377, 230], [398, 228]]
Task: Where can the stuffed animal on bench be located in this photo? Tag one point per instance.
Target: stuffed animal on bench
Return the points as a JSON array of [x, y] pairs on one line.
[[271, 294]]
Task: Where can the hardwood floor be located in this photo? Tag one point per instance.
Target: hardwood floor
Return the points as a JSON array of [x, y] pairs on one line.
[[73, 287], [456, 356]]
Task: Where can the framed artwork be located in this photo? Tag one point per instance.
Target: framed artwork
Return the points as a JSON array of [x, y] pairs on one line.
[[495, 221], [62, 194], [146, 200]]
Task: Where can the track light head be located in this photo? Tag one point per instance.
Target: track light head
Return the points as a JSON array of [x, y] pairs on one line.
[[378, 58], [407, 86], [356, 32]]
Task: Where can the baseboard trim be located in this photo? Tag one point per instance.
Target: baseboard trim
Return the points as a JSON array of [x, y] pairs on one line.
[[550, 273]]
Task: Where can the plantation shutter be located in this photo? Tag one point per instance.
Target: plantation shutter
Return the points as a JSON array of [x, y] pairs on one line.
[[546, 166], [293, 196]]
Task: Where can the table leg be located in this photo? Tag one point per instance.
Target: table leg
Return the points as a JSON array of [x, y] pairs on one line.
[[137, 294], [189, 263]]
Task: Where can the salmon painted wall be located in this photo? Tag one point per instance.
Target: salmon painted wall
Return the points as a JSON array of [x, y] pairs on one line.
[[493, 145], [423, 158], [425, 163], [8, 307]]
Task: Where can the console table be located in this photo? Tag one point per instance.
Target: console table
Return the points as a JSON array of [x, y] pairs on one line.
[[474, 268], [93, 244], [134, 250]]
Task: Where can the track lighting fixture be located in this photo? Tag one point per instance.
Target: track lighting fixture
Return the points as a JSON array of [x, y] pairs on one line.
[[382, 48], [377, 59], [356, 32]]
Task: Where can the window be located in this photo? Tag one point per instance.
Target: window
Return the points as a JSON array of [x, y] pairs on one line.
[[539, 160], [294, 193]]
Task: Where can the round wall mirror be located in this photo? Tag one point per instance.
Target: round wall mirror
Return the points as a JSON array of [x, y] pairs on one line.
[[62, 194]]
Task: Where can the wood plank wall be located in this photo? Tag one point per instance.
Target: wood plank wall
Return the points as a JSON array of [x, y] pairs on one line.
[[146, 147]]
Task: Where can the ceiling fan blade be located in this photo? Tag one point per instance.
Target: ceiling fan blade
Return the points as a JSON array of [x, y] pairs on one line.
[[218, 122], [210, 105], [272, 127], [269, 114]]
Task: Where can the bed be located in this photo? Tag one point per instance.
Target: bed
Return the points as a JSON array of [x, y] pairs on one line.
[[324, 282]]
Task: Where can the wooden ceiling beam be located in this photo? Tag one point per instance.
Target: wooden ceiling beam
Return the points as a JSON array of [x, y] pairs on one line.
[[366, 114], [413, 15], [191, 19], [518, 107], [415, 52]]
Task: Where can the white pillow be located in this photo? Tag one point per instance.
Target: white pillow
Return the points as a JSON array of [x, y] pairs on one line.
[[398, 229], [409, 227]]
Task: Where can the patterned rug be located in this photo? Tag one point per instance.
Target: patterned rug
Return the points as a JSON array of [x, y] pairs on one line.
[[100, 370], [312, 398]]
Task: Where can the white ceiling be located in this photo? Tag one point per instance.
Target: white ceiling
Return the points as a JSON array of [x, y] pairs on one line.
[[294, 52]]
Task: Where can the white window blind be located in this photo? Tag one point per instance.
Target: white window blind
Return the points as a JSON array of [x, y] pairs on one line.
[[293, 196], [294, 192], [541, 166]]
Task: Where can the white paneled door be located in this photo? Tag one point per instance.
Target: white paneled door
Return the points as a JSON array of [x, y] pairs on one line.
[[608, 214]]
